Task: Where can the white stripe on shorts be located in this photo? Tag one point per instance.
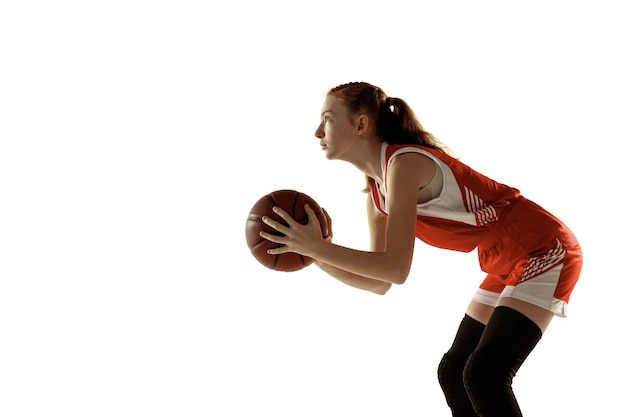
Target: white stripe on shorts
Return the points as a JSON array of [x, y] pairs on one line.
[[486, 297], [539, 290]]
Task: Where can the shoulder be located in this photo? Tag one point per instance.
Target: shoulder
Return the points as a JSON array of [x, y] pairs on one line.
[[392, 152], [412, 167]]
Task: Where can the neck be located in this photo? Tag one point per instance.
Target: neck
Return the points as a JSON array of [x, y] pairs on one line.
[[367, 160]]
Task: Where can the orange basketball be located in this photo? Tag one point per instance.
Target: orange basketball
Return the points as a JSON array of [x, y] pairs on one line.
[[293, 203]]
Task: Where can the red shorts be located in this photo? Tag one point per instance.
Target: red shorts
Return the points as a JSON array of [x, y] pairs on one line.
[[535, 258]]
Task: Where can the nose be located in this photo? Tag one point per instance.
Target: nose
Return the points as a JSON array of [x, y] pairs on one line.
[[319, 133]]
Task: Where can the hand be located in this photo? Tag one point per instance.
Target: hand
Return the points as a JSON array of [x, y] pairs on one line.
[[329, 238], [298, 238]]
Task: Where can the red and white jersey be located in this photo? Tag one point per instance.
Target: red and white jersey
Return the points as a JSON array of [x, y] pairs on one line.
[[474, 211]]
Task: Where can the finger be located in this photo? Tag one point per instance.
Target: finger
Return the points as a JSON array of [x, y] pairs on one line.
[[311, 214], [278, 250], [273, 238], [328, 218], [284, 215], [329, 221], [274, 224], [326, 214]]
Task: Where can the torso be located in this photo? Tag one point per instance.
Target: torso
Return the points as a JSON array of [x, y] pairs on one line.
[[458, 207], [468, 210]]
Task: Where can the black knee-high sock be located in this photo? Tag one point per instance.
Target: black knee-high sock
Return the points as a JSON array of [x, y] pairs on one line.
[[450, 370], [507, 341]]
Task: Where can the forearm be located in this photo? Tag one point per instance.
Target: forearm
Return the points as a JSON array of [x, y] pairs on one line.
[[389, 266], [354, 280], [389, 261]]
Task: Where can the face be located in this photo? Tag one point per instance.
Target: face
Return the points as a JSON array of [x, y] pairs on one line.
[[336, 132]]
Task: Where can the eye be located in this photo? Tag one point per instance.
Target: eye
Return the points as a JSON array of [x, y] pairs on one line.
[[326, 118]]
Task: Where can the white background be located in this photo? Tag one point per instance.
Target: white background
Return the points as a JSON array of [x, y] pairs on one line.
[[135, 136]]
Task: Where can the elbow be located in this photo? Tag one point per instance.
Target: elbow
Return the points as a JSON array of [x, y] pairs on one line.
[[383, 288], [398, 274], [387, 279], [400, 279], [390, 280], [396, 266]]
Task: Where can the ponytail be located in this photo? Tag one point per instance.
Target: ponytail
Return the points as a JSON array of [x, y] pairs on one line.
[[395, 122], [398, 125]]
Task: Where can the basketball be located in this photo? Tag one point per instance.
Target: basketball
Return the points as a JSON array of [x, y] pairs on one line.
[[293, 203]]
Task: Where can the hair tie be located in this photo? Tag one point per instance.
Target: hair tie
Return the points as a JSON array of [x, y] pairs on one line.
[[390, 99]]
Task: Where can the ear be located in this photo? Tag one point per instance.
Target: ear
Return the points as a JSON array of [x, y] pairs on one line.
[[362, 124]]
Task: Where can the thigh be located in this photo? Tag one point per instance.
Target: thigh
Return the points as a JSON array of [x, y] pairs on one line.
[[486, 297], [479, 311], [539, 315]]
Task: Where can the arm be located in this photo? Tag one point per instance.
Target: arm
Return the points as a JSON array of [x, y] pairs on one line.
[[390, 258], [356, 281], [377, 223]]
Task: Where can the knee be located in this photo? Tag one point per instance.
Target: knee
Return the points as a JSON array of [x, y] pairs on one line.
[[450, 373], [483, 368], [488, 381]]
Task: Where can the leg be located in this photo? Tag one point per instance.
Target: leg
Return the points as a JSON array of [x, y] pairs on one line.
[[479, 311], [450, 371], [540, 316], [516, 326], [508, 339]]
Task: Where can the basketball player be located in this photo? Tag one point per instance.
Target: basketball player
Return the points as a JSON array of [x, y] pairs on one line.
[[531, 259]]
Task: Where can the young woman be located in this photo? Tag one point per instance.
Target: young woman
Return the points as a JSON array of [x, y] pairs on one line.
[[532, 260]]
